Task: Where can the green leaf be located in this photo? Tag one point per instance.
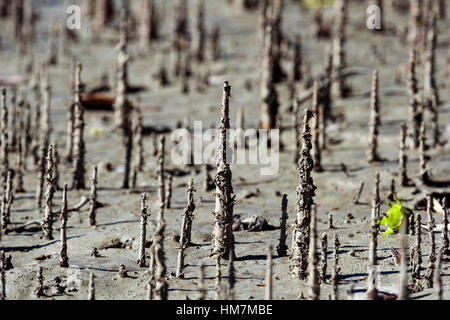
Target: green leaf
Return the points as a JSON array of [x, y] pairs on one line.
[[396, 199], [393, 217], [388, 231]]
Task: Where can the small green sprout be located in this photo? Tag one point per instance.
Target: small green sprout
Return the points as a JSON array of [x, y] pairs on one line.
[[393, 218]]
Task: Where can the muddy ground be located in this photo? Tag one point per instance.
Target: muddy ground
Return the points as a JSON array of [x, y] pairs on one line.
[[240, 65]]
